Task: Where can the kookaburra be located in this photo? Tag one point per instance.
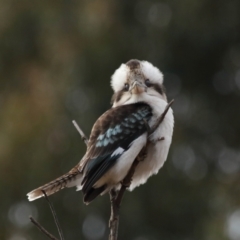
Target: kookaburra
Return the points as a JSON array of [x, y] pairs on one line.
[[119, 135]]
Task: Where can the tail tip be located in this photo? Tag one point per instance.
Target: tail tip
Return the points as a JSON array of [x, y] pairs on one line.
[[34, 195]]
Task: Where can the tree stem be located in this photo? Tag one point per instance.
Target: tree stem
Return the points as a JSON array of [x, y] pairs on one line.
[[116, 198]]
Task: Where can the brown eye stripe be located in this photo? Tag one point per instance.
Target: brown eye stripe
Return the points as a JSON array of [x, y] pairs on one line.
[[117, 96], [158, 88]]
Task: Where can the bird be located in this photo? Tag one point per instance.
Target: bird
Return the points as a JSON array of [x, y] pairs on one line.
[[120, 134]]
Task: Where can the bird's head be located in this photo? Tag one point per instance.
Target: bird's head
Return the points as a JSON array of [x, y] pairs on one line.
[[137, 81]]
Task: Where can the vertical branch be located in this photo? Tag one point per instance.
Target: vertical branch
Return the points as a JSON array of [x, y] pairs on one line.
[[115, 198], [114, 217]]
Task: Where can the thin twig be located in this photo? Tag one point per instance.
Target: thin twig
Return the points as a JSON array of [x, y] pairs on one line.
[[116, 199], [42, 229], [82, 134], [155, 126], [54, 216]]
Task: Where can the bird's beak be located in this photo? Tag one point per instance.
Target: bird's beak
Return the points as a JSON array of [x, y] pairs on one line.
[[137, 87]]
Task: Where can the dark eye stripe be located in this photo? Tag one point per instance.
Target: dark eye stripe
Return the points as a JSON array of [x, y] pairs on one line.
[[117, 96], [158, 88]]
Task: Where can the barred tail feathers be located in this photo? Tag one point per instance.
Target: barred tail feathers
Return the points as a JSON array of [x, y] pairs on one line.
[[69, 179]]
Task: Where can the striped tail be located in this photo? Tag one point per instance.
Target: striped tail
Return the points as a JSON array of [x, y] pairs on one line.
[[70, 179]]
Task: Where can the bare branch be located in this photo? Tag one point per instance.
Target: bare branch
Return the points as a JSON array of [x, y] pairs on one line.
[[155, 126], [114, 218], [116, 199], [54, 216], [42, 229], [82, 134]]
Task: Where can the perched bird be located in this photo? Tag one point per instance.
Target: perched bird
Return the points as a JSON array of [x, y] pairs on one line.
[[119, 135]]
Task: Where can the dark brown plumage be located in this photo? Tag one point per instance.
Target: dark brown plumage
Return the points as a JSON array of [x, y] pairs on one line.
[[99, 159]]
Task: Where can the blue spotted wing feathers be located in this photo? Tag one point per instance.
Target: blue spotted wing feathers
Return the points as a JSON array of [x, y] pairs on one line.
[[111, 136]]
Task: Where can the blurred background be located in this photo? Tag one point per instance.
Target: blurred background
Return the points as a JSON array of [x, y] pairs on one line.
[[56, 60]]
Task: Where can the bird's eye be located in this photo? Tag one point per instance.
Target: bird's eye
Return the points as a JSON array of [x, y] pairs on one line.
[[148, 83], [126, 86]]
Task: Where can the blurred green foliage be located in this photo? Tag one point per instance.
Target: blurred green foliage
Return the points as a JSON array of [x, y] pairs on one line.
[[56, 59]]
